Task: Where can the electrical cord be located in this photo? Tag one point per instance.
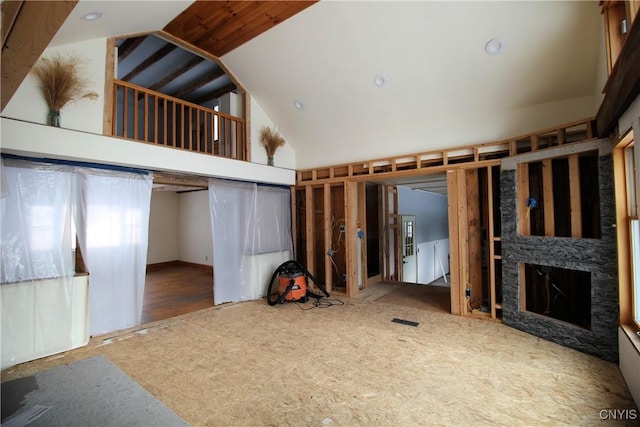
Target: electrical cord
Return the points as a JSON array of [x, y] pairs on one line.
[[321, 303]]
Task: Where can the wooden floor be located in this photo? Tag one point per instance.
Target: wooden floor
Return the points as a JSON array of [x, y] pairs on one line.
[[174, 290]]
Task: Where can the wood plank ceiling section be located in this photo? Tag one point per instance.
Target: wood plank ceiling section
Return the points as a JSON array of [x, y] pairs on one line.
[[218, 27]]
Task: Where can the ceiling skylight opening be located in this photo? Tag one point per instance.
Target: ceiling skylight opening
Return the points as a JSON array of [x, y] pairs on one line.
[[494, 46], [91, 16]]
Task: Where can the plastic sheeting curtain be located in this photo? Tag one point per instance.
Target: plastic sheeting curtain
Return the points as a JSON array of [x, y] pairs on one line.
[[35, 248], [35, 222], [112, 219], [251, 228]]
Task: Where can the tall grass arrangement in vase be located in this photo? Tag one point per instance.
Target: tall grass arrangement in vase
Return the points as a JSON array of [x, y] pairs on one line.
[[61, 83], [271, 141]]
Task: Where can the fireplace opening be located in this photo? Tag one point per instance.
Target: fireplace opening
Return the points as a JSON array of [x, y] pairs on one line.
[[558, 293]]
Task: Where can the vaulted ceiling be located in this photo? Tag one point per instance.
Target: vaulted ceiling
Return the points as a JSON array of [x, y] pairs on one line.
[[441, 89]]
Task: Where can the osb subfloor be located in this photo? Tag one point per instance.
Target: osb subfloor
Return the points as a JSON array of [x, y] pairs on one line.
[[251, 364]]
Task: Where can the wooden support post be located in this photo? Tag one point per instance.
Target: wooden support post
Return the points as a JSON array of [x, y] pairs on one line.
[[522, 192], [386, 227], [562, 136], [513, 148], [547, 194], [362, 224], [351, 246], [454, 243], [534, 142], [574, 195], [294, 219], [491, 243], [474, 239], [328, 272], [310, 221]]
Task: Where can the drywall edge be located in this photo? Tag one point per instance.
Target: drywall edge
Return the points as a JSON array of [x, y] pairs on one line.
[[42, 141]]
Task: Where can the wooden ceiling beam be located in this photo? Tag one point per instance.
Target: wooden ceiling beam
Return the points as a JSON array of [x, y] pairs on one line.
[[152, 59], [176, 73], [34, 26], [217, 93], [198, 83], [128, 46]]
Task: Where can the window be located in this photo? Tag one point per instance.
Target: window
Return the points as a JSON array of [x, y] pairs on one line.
[[635, 263], [626, 161], [634, 228]]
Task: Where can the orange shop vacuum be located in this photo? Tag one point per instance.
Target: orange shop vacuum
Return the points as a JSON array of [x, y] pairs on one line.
[[293, 284]]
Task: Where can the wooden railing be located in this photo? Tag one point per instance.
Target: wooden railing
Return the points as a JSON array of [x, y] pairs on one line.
[[143, 115]]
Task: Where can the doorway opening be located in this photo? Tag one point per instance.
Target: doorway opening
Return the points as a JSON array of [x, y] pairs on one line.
[[179, 277]]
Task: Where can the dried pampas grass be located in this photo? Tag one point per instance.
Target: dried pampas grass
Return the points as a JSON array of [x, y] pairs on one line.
[[271, 140], [60, 81]]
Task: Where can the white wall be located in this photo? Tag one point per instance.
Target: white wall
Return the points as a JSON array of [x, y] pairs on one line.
[[194, 228], [43, 317], [630, 364], [163, 227], [433, 260], [285, 156], [85, 115]]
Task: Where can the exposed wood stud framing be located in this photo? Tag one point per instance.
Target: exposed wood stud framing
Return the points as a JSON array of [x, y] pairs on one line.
[[328, 274], [491, 243], [467, 157], [547, 191], [454, 238], [474, 240], [310, 209], [351, 245], [575, 202], [534, 142], [524, 222]]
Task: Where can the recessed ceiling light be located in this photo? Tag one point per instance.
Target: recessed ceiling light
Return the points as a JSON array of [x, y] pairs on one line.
[[379, 80], [494, 46], [91, 16], [298, 104]]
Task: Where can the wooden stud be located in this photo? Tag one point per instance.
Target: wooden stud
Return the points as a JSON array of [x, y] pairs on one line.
[[473, 240], [547, 194], [534, 142], [362, 224], [454, 238], [351, 246], [294, 218], [562, 136], [310, 249], [328, 272], [524, 222], [574, 195], [491, 243]]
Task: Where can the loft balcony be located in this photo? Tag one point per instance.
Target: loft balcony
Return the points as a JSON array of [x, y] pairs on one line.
[[143, 115]]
